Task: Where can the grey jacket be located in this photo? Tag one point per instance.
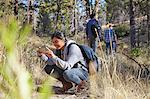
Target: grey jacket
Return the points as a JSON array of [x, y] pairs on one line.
[[69, 60]]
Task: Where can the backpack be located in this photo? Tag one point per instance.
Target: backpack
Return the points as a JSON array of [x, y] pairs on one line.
[[88, 54], [94, 27]]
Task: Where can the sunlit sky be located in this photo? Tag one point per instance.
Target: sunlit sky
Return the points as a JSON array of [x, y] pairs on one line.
[[80, 8]]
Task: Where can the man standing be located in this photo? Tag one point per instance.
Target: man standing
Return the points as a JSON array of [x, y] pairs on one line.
[[110, 39], [93, 31]]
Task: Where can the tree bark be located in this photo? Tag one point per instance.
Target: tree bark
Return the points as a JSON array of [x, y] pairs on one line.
[[87, 5], [58, 13], [29, 12], [16, 8], [74, 17], [132, 26], [96, 8], [148, 21]]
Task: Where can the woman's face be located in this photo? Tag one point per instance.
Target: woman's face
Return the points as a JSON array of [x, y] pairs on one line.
[[58, 43]]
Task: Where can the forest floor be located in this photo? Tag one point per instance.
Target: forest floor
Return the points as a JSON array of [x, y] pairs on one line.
[[123, 66], [123, 82]]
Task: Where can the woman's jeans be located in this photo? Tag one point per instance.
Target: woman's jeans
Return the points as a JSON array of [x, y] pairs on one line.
[[75, 75]]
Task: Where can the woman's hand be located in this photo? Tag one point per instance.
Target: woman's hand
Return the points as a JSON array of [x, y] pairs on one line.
[[40, 52], [50, 53]]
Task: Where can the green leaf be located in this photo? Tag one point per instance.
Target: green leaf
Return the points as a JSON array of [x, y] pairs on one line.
[[23, 34]]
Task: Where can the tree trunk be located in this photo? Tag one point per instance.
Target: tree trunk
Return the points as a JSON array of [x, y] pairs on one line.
[[57, 13], [46, 21], [148, 25], [87, 5], [29, 12], [96, 8], [74, 17], [16, 8], [148, 21], [132, 26]]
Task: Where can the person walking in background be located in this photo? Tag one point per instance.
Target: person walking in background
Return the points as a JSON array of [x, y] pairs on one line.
[[110, 39], [93, 32]]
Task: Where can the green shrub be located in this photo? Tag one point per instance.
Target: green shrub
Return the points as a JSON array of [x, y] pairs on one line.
[[122, 30], [136, 52]]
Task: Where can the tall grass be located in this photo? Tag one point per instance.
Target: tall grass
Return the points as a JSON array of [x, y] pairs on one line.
[[116, 79], [118, 85], [15, 80]]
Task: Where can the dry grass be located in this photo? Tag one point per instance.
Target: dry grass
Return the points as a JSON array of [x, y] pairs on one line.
[[120, 78], [115, 81]]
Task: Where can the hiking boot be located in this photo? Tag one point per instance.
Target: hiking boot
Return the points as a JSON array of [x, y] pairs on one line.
[[66, 85], [80, 86]]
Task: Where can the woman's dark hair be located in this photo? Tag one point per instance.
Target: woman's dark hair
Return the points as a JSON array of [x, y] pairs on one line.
[[58, 35]]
